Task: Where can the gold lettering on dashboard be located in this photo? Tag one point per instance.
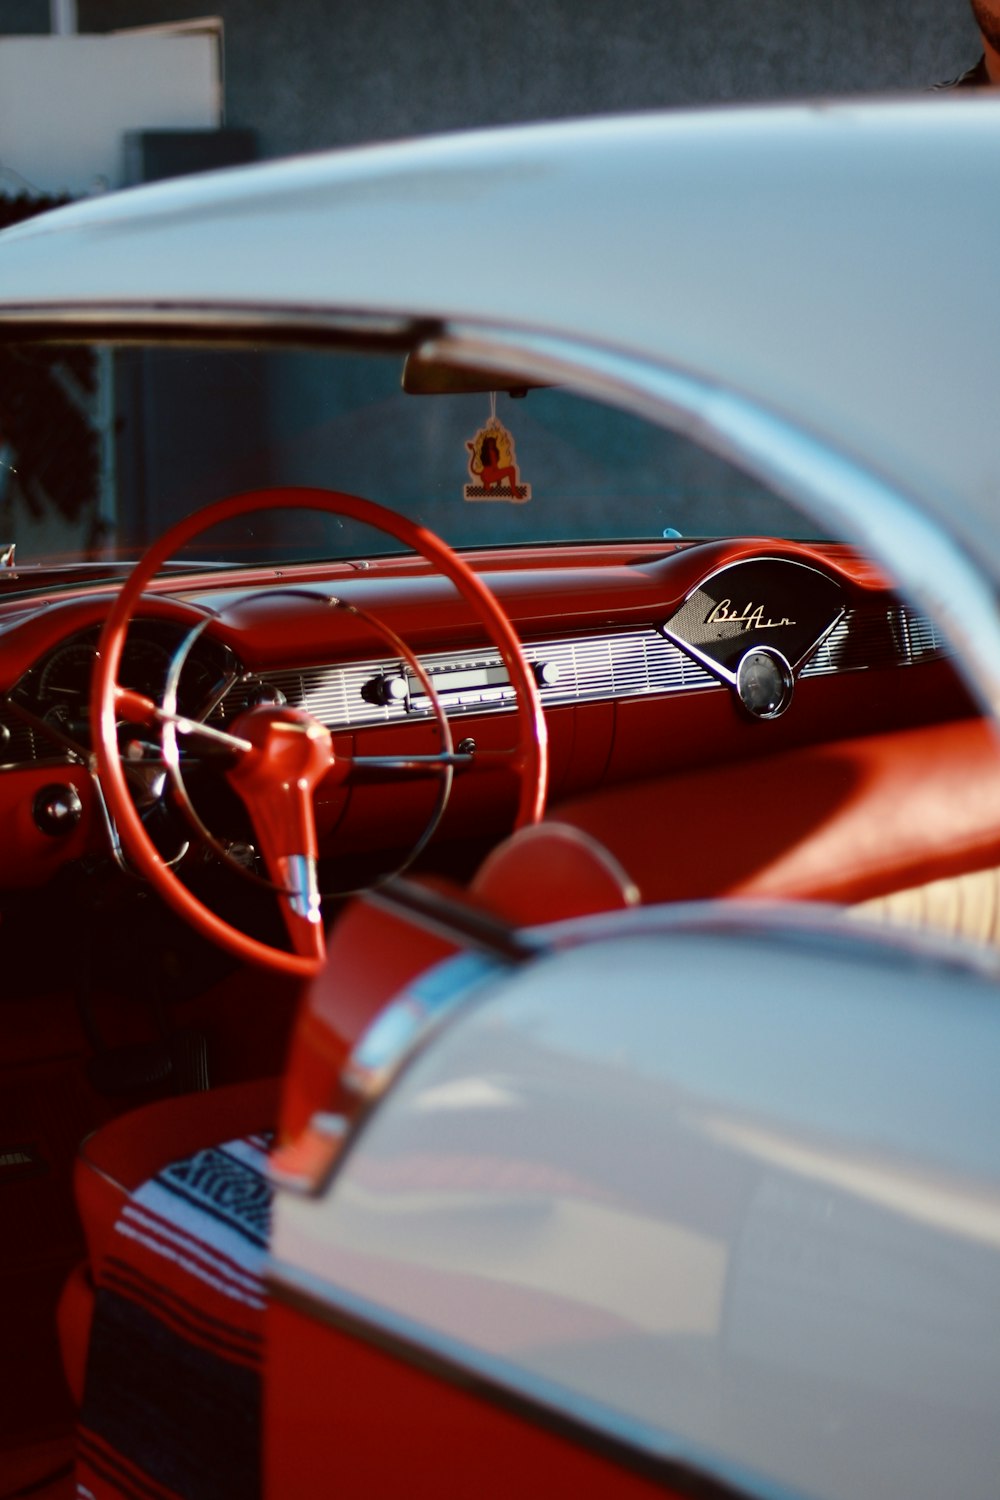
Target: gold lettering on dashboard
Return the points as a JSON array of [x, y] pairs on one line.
[[752, 617]]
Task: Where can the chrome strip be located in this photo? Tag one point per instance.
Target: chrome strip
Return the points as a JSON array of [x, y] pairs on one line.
[[866, 640], [33, 765], [702, 657], [304, 899], [618, 665], [593, 668]]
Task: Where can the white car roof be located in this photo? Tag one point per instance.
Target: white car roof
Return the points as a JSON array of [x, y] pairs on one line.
[[835, 262]]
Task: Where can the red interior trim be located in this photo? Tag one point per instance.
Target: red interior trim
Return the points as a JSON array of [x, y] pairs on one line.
[[839, 822]]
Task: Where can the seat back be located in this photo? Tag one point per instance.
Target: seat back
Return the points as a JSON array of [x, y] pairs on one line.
[[548, 872]]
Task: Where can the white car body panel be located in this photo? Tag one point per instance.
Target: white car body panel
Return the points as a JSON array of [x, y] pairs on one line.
[[754, 1225]]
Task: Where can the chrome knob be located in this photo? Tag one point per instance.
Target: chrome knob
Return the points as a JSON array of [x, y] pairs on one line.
[[57, 809], [386, 690]]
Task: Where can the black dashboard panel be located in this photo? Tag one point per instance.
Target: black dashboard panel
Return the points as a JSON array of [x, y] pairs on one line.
[[764, 602]]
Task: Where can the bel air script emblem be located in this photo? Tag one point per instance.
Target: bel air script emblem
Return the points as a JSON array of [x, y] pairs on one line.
[[752, 617]]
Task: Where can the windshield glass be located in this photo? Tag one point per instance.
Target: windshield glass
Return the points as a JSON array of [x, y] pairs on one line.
[[102, 448]]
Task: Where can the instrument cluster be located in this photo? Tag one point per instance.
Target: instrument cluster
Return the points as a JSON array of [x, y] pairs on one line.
[[54, 694]]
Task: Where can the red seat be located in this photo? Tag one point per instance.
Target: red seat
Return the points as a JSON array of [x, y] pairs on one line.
[[551, 871]]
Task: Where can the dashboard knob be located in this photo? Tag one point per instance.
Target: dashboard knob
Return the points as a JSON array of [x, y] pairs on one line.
[[547, 673], [241, 853], [386, 690], [57, 809], [265, 694]]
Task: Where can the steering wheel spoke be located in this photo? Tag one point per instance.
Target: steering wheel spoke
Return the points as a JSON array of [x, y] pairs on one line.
[[136, 708], [286, 836]]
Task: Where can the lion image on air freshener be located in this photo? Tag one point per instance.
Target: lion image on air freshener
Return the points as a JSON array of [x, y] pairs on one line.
[[493, 466]]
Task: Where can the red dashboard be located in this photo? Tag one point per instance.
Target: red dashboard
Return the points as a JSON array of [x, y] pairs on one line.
[[651, 667]]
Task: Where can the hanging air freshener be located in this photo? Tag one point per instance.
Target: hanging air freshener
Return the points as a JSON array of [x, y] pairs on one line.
[[493, 464]]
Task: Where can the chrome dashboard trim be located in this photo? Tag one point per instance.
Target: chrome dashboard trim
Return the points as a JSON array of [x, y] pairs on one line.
[[611, 665]]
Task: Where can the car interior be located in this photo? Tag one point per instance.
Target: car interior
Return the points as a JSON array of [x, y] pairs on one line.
[[322, 659]]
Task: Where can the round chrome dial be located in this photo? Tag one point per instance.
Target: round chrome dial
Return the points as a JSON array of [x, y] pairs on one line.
[[764, 682]]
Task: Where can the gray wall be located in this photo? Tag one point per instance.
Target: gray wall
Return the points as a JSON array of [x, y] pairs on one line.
[[312, 73]]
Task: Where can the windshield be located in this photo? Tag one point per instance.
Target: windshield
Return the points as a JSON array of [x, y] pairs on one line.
[[102, 448]]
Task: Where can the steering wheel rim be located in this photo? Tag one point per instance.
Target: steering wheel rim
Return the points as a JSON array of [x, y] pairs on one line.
[[530, 758]]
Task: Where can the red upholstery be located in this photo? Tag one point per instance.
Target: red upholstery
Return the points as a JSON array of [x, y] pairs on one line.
[[551, 871], [839, 822]]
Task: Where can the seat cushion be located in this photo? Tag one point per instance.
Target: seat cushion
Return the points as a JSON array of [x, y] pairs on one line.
[[548, 872]]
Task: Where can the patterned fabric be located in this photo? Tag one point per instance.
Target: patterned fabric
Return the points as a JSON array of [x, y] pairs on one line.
[[172, 1403]]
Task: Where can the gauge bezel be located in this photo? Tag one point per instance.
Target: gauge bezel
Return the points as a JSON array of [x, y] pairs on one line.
[[785, 679]]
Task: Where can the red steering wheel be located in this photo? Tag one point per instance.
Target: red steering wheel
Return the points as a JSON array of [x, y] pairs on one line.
[[281, 754]]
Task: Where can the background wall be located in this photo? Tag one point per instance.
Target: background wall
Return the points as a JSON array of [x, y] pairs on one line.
[[313, 73]]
